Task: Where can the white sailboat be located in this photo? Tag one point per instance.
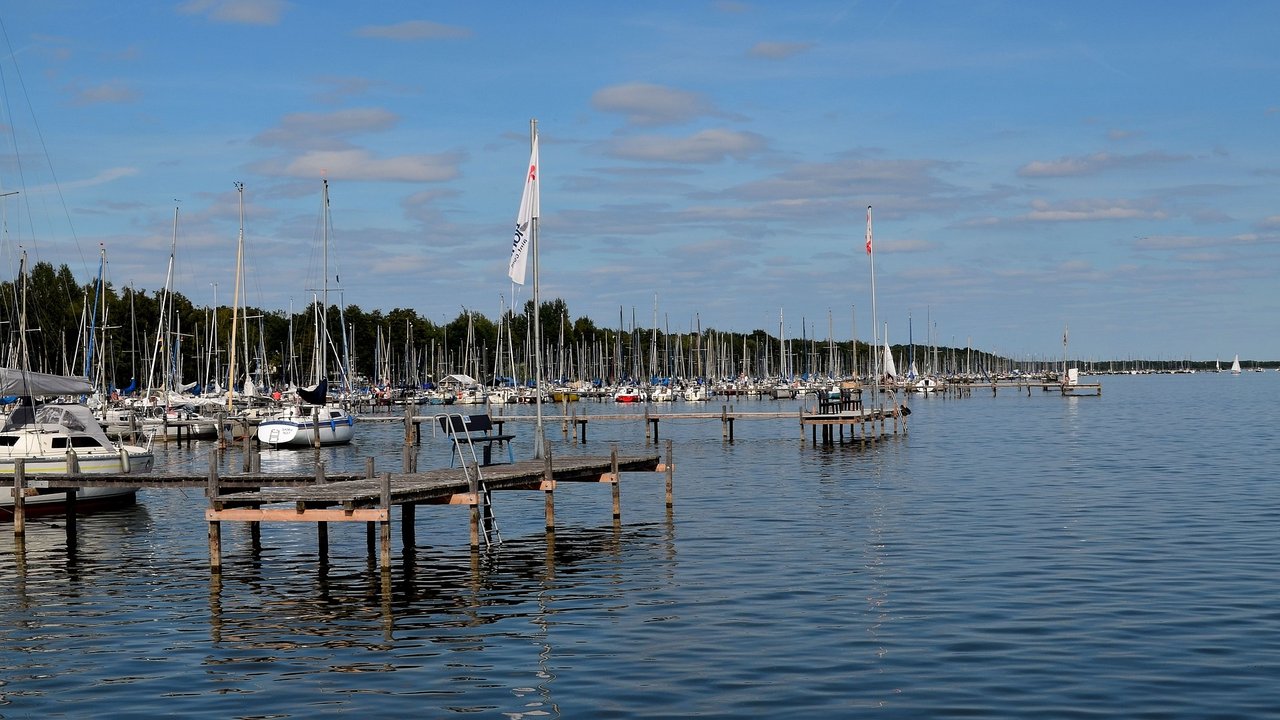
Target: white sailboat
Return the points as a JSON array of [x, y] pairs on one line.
[[313, 420], [52, 438], [890, 369], [1235, 365]]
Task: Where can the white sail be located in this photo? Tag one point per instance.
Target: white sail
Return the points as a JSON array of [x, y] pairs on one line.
[[890, 370], [1235, 365]]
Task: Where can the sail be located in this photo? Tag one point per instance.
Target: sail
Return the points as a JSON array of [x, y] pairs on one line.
[[315, 395], [890, 370], [1235, 365]]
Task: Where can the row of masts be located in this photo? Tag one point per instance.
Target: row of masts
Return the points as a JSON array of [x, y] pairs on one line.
[[628, 354]]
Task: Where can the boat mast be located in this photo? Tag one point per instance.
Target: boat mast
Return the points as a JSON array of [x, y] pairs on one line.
[[235, 303]]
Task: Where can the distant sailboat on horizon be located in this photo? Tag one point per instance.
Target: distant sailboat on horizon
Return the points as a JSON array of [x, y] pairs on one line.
[[1235, 365]]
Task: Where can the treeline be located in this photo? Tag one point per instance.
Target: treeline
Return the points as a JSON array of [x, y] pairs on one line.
[[68, 322]]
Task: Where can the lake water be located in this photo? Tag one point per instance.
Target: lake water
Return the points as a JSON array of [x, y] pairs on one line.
[[1011, 556]]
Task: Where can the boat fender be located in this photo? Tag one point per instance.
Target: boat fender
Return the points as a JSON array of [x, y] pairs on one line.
[[124, 461]]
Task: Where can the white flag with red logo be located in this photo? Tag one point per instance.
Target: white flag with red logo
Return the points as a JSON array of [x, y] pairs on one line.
[[868, 229], [524, 219]]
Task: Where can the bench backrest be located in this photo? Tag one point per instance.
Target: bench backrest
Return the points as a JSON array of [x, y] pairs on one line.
[[466, 424]]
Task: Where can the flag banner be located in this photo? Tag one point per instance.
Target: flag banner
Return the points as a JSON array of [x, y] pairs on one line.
[[524, 219], [868, 229]]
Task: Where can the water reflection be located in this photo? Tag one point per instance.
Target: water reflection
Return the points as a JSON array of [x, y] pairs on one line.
[[251, 607]]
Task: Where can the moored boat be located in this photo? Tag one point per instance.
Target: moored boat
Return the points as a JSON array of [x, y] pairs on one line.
[[54, 438]]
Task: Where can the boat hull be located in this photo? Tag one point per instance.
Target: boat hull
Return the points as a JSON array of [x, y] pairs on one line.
[[306, 433], [47, 502]]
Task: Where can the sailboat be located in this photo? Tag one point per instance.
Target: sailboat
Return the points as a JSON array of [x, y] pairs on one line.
[[313, 420], [1235, 365], [52, 438], [890, 369]]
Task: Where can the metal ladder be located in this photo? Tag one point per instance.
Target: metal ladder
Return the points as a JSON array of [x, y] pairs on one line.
[[456, 424]]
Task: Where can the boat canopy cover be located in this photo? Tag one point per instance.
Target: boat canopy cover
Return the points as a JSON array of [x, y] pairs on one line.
[[459, 380], [25, 383], [71, 420]]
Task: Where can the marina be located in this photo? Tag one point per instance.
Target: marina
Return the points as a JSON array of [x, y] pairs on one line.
[[1087, 560]]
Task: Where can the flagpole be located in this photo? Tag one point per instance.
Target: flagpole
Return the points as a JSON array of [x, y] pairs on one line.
[[875, 326], [539, 438]]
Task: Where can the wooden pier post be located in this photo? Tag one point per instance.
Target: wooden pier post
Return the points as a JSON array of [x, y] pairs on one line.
[[385, 525], [409, 427], [474, 524], [73, 469], [247, 463], [215, 527], [549, 492], [19, 497], [670, 469], [616, 483]]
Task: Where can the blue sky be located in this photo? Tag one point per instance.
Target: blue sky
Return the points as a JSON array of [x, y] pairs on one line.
[[1108, 166]]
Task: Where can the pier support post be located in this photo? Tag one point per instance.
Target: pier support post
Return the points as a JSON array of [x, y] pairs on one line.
[[19, 497], [549, 492], [215, 527], [73, 469], [410, 429], [384, 526], [670, 470], [247, 463], [474, 524], [408, 531], [615, 483]]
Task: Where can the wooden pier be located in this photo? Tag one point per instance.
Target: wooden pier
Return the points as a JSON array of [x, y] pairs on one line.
[[830, 413], [320, 498]]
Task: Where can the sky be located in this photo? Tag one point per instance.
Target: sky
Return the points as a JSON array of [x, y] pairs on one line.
[[1109, 169]]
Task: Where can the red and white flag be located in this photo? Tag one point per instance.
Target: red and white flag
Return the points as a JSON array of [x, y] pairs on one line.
[[868, 229], [524, 219]]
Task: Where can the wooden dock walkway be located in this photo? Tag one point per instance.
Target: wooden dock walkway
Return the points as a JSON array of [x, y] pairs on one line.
[[847, 412], [319, 498]]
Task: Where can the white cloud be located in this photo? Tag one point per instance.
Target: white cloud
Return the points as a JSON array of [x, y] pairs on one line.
[[238, 12], [1089, 210], [1092, 164], [362, 165], [112, 91], [102, 178], [646, 104], [707, 146], [778, 50], [309, 129], [414, 30]]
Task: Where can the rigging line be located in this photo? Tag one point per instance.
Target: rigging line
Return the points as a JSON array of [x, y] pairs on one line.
[[84, 265]]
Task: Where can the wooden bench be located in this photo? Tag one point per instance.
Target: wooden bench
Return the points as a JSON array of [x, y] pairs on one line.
[[476, 430]]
